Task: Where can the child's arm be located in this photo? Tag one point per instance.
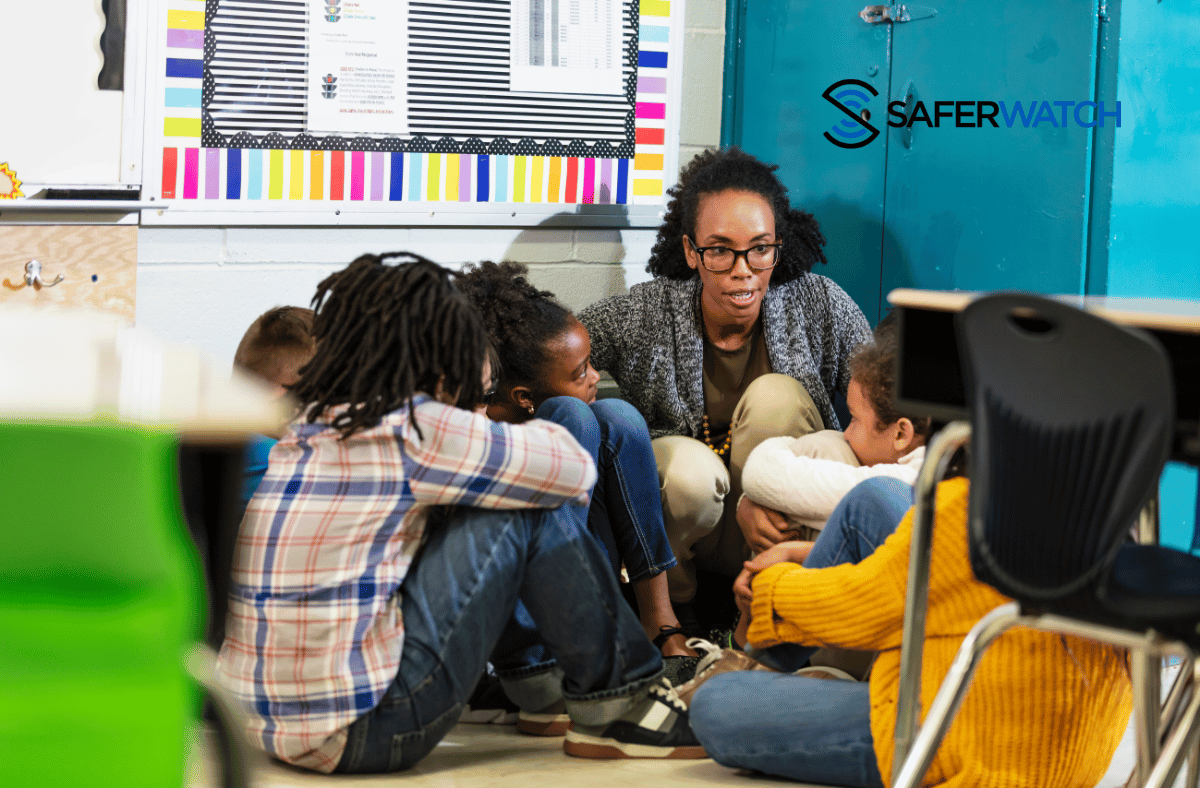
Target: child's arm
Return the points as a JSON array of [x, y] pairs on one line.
[[861, 606], [463, 458], [776, 478]]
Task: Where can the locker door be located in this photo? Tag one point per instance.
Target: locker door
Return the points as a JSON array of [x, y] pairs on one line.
[[980, 208], [788, 53]]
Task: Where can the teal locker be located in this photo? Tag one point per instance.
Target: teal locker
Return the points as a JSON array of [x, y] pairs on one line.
[[1044, 202]]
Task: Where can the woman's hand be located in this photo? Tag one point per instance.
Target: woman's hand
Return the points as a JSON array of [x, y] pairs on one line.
[[763, 528]]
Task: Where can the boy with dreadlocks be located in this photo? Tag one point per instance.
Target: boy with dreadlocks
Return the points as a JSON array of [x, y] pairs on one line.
[[381, 559]]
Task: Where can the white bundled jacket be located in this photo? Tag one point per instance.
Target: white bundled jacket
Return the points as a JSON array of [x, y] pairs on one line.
[[795, 476]]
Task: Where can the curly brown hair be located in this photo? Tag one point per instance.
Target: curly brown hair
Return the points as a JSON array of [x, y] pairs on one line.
[[717, 170], [520, 319], [873, 365]]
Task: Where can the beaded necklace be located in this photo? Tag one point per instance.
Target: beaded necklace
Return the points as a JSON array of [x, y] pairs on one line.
[[722, 450]]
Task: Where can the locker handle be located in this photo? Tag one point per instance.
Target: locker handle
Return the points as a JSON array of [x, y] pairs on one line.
[[910, 103], [878, 14]]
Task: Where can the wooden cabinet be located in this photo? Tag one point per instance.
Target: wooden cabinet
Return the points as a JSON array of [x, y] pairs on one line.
[[98, 265]]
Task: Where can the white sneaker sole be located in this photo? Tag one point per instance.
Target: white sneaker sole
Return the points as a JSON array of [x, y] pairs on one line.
[[581, 745]]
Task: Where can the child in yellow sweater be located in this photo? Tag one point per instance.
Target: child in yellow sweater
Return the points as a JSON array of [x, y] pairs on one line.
[[1043, 709]]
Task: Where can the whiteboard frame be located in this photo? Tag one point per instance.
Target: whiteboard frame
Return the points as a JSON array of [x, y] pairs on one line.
[[346, 213], [133, 109]]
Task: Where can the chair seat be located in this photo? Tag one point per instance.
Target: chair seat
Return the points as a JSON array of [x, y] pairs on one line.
[[1155, 585]]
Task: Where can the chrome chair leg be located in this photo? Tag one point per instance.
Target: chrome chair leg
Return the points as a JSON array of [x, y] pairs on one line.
[[1182, 742], [1146, 674], [908, 700], [950, 695], [1175, 699]]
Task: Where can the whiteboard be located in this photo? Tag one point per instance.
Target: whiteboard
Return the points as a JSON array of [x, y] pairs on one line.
[[58, 127], [236, 131]]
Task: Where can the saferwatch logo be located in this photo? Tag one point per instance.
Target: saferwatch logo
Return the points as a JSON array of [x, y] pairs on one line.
[[851, 97]]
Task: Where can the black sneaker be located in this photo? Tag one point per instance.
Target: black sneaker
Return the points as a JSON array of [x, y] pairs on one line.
[[679, 670], [489, 705], [657, 727]]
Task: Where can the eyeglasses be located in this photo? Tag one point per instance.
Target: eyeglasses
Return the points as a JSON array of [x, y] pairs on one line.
[[489, 393], [720, 259]]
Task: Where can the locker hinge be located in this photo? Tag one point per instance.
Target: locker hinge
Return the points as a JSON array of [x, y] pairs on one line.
[[877, 14]]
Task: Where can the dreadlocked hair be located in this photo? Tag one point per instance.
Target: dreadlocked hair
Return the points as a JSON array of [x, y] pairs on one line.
[[732, 169], [385, 332], [519, 318]]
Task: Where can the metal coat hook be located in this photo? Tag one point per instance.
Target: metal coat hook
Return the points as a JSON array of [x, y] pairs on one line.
[[33, 278]]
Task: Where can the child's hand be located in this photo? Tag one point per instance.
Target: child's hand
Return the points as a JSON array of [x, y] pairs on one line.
[[785, 552], [763, 528]]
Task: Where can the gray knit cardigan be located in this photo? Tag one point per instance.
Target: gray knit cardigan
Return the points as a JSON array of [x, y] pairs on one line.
[[649, 340]]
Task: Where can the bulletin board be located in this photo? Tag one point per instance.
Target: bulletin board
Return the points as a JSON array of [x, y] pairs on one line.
[[372, 112]]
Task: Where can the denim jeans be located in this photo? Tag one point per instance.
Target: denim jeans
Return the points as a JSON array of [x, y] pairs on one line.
[[458, 608], [806, 729], [626, 512]]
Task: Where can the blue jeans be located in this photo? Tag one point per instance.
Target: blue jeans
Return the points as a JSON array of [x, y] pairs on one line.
[[806, 729], [626, 511], [458, 606]]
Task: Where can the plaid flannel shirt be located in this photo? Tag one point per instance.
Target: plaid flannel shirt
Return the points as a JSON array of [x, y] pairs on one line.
[[314, 633]]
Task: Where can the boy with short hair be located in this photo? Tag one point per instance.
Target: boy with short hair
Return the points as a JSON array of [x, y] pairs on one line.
[[276, 345]]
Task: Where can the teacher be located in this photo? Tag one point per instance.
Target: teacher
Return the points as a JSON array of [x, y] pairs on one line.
[[732, 342]]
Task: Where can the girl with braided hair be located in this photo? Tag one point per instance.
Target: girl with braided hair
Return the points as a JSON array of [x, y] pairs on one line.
[[732, 342], [381, 559], [545, 358]]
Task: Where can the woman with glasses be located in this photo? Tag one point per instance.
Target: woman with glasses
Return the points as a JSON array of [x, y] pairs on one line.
[[732, 342]]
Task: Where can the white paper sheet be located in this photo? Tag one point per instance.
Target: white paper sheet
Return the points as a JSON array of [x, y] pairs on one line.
[[566, 46], [357, 67]]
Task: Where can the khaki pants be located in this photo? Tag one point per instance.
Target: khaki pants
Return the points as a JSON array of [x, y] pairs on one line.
[[700, 494]]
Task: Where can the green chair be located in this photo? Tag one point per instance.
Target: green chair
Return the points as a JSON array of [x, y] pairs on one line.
[[101, 604]]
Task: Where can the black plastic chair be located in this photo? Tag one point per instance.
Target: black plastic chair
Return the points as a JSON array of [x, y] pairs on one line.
[[1071, 420]]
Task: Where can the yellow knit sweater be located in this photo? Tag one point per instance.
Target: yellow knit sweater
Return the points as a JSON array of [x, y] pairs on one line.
[[1043, 711]]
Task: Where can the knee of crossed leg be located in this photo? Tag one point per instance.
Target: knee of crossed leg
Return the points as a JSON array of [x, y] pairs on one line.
[[576, 415], [694, 484]]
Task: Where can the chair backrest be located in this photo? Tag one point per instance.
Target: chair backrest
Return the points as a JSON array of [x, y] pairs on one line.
[[100, 597], [1071, 423]]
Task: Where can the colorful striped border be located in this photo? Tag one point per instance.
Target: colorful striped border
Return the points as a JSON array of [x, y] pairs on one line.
[[191, 172], [194, 173]]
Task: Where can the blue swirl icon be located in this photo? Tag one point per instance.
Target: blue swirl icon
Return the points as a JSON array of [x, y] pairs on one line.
[[851, 96]]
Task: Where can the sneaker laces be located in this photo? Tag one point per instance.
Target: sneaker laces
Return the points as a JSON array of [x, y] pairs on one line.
[[664, 692], [712, 653]]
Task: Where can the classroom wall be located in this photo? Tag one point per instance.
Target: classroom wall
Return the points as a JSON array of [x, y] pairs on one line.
[[56, 125], [203, 286]]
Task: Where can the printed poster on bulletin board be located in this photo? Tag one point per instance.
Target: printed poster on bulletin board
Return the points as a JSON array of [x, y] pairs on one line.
[[373, 106]]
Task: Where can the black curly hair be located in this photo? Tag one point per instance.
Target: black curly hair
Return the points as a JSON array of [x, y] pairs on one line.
[[723, 169], [385, 332], [519, 318]]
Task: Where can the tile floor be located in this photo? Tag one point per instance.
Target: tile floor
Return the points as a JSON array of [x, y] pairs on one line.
[[496, 756], [490, 756]]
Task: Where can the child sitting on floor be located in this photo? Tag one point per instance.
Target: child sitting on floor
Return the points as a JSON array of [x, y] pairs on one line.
[[793, 484], [545, 358], [380, 561], [274, 348]]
